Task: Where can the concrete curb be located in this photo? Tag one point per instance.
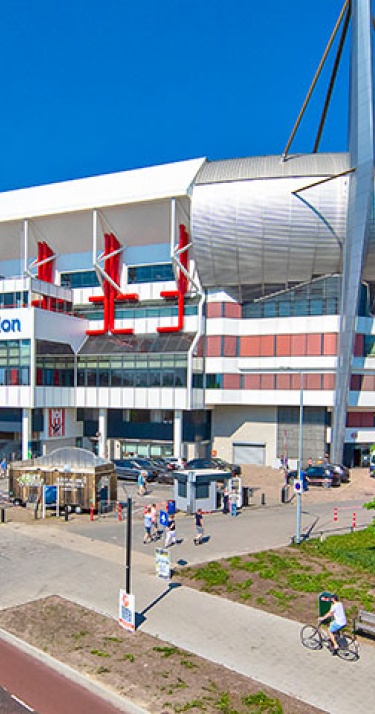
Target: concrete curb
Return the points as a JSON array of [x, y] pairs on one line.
[[122, 703]]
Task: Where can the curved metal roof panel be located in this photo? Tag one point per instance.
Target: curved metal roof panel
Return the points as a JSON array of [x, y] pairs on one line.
[[253, 225], [259, 167]]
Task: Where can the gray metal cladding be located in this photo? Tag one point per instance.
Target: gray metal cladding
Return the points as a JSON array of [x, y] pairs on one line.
[[263, 231]]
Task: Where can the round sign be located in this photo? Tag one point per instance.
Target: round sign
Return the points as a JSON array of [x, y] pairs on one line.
[[297, 486]]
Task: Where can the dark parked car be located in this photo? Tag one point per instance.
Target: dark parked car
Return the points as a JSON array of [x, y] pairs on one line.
[[318, 476], [323, 476], [129, 469], [213, 463]]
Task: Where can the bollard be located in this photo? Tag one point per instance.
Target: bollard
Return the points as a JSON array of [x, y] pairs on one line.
[[263, 499], [3, 515], [119, 511], [354, 521], [66, 512], [91, 512], [335, 515]]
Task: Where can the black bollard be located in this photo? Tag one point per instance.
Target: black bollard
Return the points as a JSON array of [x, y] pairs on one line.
[[263, 499], [66, 511]]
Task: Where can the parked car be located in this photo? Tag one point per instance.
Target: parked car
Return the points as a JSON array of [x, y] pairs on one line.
[[343, 471], [317, 476], [129, 469], [175, 462], [323, 475], [213, 463]]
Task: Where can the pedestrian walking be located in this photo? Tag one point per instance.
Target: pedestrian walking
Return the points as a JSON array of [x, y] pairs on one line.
[[142, 483], [225, 499], [198, 527], [170, 532], [233, 503], [154, 519], [148, 525]]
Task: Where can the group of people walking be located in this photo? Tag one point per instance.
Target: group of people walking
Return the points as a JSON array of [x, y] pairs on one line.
[[152, 533]]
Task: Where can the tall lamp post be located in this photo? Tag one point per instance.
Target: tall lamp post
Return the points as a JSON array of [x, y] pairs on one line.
[[300, 450]]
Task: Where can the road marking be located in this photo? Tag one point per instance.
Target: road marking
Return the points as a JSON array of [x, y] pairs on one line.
[[23, 704]]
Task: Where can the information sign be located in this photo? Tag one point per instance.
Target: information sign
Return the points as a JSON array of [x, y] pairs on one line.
[[126, 614], [163, 518], [163, 563]]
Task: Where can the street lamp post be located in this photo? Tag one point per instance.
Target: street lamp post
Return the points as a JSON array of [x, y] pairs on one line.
[[300, 449]]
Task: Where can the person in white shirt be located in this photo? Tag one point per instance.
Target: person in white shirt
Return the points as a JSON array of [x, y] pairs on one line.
[[338, 616]]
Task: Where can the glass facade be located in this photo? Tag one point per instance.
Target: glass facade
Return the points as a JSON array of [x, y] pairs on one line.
[[320, 297], [55, 371], [93, 312], [161, 272], [15, 362], [132, 371]]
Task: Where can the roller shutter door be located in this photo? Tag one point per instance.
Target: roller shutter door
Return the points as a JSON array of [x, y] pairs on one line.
[[249, 454]]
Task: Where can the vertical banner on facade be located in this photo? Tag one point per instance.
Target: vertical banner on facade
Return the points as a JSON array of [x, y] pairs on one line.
[[126, 612], [56, 426]]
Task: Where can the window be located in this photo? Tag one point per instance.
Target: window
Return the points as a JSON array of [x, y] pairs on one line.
[[160, 272], [202, 490], [214, 381], [79, 279], [182, 489]]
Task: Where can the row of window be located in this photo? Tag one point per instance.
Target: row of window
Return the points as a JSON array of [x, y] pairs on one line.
[[281, 381], [310, 344], [161, 272], [92, 312]]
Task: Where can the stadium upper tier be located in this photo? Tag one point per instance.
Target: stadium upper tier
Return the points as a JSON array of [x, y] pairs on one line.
[[260, 224], [257, 225]]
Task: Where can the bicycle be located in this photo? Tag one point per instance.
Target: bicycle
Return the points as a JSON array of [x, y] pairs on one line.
[[314, 638]]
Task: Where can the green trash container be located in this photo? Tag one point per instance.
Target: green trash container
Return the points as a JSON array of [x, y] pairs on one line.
[[324, 603]]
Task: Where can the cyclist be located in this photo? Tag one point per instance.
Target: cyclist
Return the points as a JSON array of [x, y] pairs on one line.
[[338, 616]]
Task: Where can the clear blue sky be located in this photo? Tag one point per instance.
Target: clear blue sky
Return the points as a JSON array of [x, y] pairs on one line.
[[91, 87]]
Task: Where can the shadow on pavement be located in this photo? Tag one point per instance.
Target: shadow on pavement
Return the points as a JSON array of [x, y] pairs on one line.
[[140, 616]]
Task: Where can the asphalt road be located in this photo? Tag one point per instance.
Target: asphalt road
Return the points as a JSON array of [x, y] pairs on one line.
[[32, 686]]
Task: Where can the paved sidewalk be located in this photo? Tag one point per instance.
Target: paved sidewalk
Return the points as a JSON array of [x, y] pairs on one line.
[[37, 561]]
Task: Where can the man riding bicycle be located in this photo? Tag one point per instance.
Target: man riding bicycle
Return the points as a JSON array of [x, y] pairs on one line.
[[338, 616]]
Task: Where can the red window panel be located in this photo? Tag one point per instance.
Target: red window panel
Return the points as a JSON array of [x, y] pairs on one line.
[[230, 346], [330, 344], [252, 381], [283, 381], [314, 344], [352, 419], [267, 381], [13, 377], [233, 310], [231, 381], [283, 345], [313, 381], [368, 383], [267, 345], [367, 419], [356, 382], [298, 345], [329, 381], [213, 346], [214, 309], [359, 346], [250, 346], [38, 376], [297, 380]]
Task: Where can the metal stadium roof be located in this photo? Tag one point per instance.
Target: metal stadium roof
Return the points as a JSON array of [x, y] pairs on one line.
[[261, 222], [259, 167]]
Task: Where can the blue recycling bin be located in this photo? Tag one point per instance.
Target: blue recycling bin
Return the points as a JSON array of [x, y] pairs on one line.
[[171, 508]]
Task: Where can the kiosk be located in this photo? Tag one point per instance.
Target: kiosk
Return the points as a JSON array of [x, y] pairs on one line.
[[198, 489]]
